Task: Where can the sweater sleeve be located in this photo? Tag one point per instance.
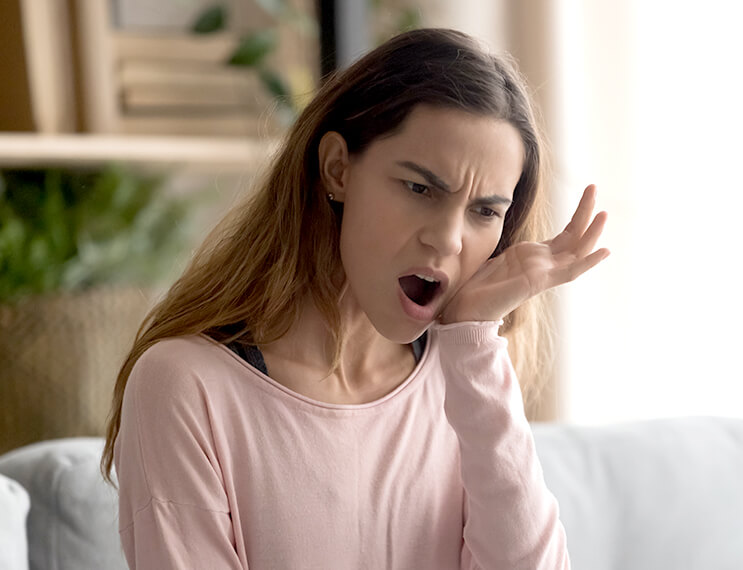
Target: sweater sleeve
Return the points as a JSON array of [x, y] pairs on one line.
[[511, 518], [173, 508]]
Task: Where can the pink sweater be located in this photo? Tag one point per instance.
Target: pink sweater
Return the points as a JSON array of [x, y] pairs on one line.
[[221, 467]]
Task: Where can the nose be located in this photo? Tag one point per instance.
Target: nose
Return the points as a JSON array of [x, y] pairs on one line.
[[444, 232]]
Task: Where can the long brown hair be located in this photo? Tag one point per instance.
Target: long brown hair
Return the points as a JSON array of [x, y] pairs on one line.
[[249, 278]]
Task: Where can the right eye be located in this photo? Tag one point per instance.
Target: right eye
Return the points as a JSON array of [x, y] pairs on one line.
[[415, 187]]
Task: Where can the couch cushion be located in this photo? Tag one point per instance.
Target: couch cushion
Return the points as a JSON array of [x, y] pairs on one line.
[[73, 521], [14, 505], [640, 496], [648, 495]]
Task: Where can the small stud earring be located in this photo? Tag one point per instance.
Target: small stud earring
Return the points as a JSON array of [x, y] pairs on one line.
[[331, 196]]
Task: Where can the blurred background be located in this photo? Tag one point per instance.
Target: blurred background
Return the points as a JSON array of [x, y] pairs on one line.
[[129, 126]]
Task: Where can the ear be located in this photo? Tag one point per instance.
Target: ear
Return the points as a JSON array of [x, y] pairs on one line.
[[333, 164]]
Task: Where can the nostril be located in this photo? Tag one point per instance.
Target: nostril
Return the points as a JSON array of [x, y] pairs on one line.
[[448, 245], [444, 236]]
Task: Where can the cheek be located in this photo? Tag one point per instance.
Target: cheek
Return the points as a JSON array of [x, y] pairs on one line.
[[495, 240], [357, 229], [494, 247], [363, 236], [372, 218], [481, 250]]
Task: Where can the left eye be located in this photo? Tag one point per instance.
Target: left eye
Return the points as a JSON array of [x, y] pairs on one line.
[[486, 212], [415, 187]]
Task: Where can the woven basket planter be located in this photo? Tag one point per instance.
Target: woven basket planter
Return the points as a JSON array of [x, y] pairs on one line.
[[59, 356]]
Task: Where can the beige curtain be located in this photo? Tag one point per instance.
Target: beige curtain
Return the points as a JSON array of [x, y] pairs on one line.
[[576, 57], [525, 29]]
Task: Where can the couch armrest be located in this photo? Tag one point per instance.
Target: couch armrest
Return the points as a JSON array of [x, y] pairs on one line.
[[14, 503], [73, 521], [664, 493]]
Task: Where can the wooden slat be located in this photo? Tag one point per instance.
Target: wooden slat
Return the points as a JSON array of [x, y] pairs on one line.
[[212, 48], [16, 109], [97, 57], [48, 46], [165, 98], [229, 125], [201, 153], [147, 84], [159, 15], [145, 71]]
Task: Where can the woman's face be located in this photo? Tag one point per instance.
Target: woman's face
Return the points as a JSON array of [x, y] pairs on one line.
[[423, 210]]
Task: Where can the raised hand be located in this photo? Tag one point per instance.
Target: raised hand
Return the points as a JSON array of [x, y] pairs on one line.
[[527, 269]]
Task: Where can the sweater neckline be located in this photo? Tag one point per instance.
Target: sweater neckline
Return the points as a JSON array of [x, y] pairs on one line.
[[274, 385]]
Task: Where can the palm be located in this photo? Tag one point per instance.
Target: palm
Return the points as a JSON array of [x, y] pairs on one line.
[[527, 269]]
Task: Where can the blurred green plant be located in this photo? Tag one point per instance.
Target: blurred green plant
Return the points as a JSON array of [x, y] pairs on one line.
[[409, 19], [253, 48], [210, 20], [65, 230]]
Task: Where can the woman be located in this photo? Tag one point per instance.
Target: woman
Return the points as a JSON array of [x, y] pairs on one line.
[[325, 386]]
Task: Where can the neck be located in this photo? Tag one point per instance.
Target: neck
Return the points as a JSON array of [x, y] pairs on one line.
[[367, 359]]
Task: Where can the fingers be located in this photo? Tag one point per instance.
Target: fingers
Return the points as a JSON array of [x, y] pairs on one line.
[[574, 231], [582, 216], [579, 267], [590, 238]]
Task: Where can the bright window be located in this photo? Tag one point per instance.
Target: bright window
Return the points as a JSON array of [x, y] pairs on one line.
[[652, 111]]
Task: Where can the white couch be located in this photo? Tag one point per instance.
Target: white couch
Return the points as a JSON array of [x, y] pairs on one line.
[[14, 505], [655, 495]]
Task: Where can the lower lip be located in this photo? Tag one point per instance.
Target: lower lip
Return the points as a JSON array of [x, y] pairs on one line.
[[414, 310]]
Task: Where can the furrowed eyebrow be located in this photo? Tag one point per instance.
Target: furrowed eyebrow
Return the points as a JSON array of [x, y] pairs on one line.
[[430, 177], [435, 181], [493, 200]]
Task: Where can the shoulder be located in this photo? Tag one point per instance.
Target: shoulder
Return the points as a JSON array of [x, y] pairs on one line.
[[182, 351], [166, 446], [181, 368]]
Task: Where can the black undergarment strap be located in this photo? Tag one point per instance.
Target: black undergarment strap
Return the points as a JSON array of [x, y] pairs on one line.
[[253, 356], [419, 345], [250, 354]]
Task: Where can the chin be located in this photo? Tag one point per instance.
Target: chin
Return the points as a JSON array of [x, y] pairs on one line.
[[400, 333]]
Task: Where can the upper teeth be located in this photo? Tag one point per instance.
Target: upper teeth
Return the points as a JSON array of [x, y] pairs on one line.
[[425, 278]]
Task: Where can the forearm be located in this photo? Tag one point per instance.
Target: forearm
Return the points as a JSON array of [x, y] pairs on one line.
[[512, 519]]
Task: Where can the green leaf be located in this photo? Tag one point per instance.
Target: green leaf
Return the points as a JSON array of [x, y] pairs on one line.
[[72, 229], [275, 84], [409, 19], [211, 20], [13, 237], [53, 217], [253, 48]]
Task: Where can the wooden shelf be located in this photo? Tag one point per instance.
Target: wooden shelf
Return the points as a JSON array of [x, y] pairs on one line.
[[197, 153]]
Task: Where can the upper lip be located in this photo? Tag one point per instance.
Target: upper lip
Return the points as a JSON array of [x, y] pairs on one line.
[[437, 274]]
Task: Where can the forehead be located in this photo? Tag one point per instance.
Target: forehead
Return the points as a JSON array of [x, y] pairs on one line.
[[460, 147]]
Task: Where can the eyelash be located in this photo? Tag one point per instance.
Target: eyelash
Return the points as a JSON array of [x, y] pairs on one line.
[[492, 213], [411, 185], [484, 211]]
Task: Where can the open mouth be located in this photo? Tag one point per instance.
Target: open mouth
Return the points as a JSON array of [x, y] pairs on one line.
[[419, 288]]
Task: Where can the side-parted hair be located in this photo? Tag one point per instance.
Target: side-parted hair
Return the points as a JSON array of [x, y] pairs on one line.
[[248, 280]]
